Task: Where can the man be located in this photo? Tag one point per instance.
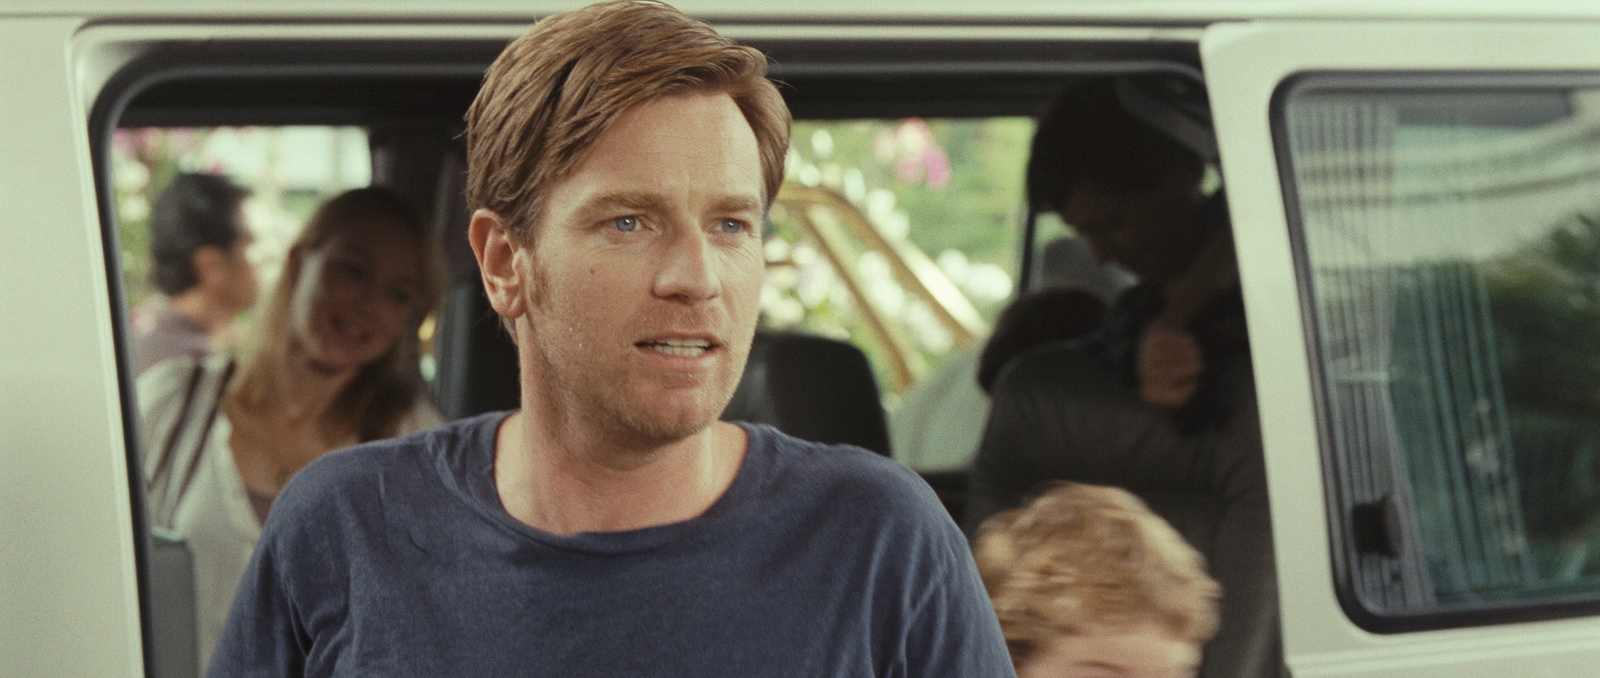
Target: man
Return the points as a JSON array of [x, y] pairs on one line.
[[197, 249], [621, 161]]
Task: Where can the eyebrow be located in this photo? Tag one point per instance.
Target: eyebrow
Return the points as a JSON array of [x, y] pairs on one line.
[[739, 203], [366, 257], [645, 202]]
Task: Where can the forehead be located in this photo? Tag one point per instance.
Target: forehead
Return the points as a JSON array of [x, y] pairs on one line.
[[696, 142]]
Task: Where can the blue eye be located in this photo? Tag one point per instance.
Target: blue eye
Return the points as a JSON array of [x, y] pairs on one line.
[[626, 224], [731, 226]]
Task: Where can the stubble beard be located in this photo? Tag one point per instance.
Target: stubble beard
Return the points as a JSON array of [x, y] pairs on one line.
[[579, 400]]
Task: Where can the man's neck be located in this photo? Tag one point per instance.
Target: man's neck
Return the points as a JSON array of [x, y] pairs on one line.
[[572, 482]]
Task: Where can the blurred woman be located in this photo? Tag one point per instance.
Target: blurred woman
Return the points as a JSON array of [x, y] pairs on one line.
[[332, 363]]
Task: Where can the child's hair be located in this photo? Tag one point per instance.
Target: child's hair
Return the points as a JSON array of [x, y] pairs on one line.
[[1080, 557]]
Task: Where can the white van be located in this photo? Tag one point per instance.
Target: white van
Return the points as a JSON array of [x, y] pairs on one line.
[[1415, 197]]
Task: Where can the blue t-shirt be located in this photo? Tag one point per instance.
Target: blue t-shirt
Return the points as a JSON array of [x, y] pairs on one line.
[[396, 558]]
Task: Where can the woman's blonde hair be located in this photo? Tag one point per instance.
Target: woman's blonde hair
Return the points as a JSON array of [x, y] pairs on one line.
[[550, 96], [1087, 556], [383, 391]]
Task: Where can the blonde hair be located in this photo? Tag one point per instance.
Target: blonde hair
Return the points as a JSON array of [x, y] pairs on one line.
[[550, 96], [1081, 556], [383, 391]]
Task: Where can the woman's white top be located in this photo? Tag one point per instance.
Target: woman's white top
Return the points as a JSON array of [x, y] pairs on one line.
[[198, 494]]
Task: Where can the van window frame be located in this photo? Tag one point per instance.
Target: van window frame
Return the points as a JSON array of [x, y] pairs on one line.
[[176, 63], [1341, 536]]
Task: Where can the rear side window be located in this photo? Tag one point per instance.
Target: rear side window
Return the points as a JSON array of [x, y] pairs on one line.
[[1449, 241], [289, 170], [900, 235]]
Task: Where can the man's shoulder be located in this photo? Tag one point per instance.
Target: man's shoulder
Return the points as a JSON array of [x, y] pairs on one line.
[[342, 481], [837, 473]]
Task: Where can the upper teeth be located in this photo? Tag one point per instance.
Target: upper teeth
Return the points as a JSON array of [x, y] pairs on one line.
[[681, 347]]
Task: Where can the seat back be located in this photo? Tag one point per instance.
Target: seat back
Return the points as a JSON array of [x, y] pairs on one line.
[[813, 388], [172, 606], [477, 360]]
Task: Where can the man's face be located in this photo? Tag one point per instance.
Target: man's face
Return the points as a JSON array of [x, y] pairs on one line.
[[240, 286], [647, 274], [1153, 233]]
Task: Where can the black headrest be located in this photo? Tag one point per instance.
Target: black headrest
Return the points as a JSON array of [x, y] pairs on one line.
[[477, 360], [813, 388]]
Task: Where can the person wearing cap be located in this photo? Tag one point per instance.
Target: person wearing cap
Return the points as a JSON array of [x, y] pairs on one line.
[[1160, 398], [1125, 164]]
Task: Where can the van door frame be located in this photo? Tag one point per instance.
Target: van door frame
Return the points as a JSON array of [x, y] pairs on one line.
[[1247, 65]]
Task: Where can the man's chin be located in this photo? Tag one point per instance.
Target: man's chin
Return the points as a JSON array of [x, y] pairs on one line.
[[664, 423]]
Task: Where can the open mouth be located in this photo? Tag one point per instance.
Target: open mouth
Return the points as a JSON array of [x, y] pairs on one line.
[[685, 348]]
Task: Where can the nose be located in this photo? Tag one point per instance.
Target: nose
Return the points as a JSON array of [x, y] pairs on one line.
[[687, 268]]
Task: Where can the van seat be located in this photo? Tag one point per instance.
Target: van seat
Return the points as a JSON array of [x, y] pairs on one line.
[[813, 388], [172, 616]]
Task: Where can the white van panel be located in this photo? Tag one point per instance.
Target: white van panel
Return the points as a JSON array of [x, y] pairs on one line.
[[1244, 65], [1136, 11], [69, 604]]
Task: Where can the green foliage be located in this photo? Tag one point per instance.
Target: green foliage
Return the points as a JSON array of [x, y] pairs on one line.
[[1546, 305], [1545, 302]]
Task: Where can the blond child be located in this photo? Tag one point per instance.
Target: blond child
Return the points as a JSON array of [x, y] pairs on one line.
[[1088, 582]]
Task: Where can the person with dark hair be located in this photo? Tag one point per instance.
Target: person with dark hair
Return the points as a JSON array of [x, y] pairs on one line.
[[621, 162], [197, 250], [331, 362], [1160, 399], [1135, 193]]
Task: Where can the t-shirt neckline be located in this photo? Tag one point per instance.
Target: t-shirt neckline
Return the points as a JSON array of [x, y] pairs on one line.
[[476, 478]]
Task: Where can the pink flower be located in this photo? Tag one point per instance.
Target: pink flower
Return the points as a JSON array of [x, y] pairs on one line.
[[938, 166]]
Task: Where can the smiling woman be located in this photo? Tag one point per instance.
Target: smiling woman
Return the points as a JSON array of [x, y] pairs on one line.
[[332, 363]]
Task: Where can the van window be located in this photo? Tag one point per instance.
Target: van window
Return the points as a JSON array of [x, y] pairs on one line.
[[289, 170], [900, 235], [1449, 244]]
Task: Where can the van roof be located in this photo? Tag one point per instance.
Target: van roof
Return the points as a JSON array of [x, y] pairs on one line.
[[1185, 12]]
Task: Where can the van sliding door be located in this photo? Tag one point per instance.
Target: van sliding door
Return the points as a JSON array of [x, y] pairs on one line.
[[1417, 212]]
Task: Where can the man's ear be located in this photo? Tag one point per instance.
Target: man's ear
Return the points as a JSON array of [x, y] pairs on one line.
[[498, 252]]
